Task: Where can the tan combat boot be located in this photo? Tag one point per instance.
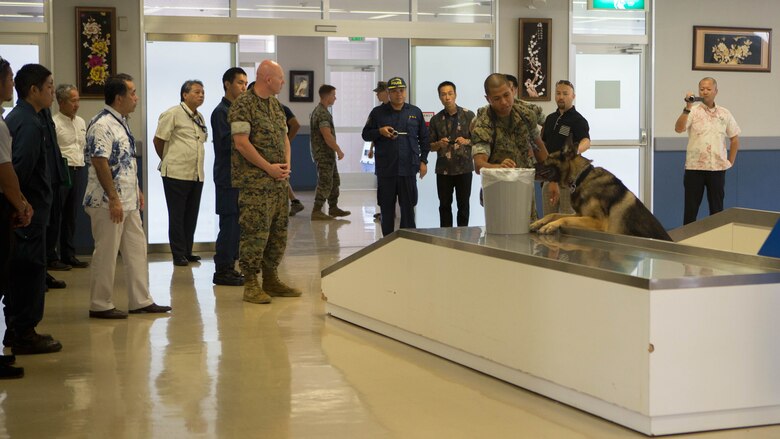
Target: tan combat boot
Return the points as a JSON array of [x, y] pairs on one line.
[[319, 215], [252, 291], [334, 211], [276, 288]]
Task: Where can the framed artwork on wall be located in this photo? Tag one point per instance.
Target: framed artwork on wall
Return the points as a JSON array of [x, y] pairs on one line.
[[301, 86], [737, 49], [95, 49], [535, 43]]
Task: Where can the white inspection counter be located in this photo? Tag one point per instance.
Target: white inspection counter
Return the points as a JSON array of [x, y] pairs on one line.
[[659, 337]]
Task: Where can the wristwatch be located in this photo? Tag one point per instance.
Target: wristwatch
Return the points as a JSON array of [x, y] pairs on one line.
[[686, 111]]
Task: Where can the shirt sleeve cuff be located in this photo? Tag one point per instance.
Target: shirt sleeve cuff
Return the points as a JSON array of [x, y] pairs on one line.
[[240, 128]]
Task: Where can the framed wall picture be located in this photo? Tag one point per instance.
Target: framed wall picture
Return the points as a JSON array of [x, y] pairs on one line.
[[739, 49], [95, 49], [301, 86], [535, 41]]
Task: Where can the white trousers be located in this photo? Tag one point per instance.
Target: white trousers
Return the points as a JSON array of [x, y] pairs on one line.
[[127, 237]]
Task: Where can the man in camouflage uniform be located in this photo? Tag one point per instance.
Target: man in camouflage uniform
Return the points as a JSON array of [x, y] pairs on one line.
[[505, 134], [260, 167], [325, 151], [451, 139]]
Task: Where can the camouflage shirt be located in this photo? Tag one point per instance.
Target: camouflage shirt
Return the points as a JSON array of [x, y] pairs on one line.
[[264, 121], [321, 118], [499, 141], [452, 159], [540, 116]]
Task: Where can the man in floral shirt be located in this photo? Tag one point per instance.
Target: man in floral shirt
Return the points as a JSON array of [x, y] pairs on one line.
[[451, 140], [114, 201], [706, 160]]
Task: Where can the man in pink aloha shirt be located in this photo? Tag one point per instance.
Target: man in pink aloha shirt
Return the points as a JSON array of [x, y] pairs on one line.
[[706, 159]]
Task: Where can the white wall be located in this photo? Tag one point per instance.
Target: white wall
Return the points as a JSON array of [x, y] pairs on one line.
[[301, 53], [749, 96]]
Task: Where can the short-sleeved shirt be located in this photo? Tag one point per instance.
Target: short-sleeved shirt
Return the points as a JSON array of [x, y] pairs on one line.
[[109, 137], [264, 121], [5, 141], [452, 160], [512, 139], [72, 138], [184, 133], [223, 143], [560, 127], [707, 132], [321, 118]]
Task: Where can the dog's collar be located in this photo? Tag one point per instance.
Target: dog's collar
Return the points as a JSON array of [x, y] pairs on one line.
[[581, 177]]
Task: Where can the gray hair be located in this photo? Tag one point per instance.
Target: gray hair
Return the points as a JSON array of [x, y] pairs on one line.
[[63, 92], [711, 79]]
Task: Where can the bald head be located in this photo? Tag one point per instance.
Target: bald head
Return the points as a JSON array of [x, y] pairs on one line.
[[270, 79]]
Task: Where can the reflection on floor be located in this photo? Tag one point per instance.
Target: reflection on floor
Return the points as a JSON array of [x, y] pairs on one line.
[[219, 367]]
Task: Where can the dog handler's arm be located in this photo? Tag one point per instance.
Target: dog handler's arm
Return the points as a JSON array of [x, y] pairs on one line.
[[540, 151], [583, 146], [733, 149]]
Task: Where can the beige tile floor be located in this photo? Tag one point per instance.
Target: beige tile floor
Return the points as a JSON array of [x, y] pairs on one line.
[[221, 368]]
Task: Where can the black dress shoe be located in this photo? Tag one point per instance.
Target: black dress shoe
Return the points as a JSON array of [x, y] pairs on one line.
[[33, 343], [58, 266], [112, 313], [7, 360], [9, 372], [75, 263], [53, 283], [10, 337], [229, 278], [193, 258], [151, 309], [180, 261]]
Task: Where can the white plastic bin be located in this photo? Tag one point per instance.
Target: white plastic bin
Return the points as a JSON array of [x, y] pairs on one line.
[[507, 195]]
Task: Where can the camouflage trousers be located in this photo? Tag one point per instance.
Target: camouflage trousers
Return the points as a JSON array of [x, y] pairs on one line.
[[328, 182], [263, 216]]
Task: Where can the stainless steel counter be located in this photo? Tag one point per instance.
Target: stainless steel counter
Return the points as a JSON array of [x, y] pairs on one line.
[[638, 262]]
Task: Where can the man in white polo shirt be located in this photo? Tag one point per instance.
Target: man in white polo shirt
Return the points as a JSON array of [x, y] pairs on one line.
[[71, 137], [181, 133]]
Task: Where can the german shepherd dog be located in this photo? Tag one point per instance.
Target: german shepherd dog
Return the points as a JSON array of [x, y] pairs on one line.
[[601, 201]]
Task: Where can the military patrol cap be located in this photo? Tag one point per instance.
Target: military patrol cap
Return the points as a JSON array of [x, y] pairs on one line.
[[380, 86], [396, 82]]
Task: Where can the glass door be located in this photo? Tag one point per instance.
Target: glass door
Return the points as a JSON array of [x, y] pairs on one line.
[[168, 65], [18, 51], [610, 94]]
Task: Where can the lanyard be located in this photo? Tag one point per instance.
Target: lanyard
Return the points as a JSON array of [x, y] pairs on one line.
[[196, 119]]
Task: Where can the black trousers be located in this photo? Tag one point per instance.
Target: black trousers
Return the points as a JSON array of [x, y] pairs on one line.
[[24, 296], [53, 229], [404, 190], [5, 242], [445, 184], [71, 198], [183, 200], [694, 183], [229, 236]]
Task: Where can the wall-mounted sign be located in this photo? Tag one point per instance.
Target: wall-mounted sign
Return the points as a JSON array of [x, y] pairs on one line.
[[617, 5]]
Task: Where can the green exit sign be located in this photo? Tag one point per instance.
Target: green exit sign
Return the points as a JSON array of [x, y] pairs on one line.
[[357, 38], [629, 5]]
